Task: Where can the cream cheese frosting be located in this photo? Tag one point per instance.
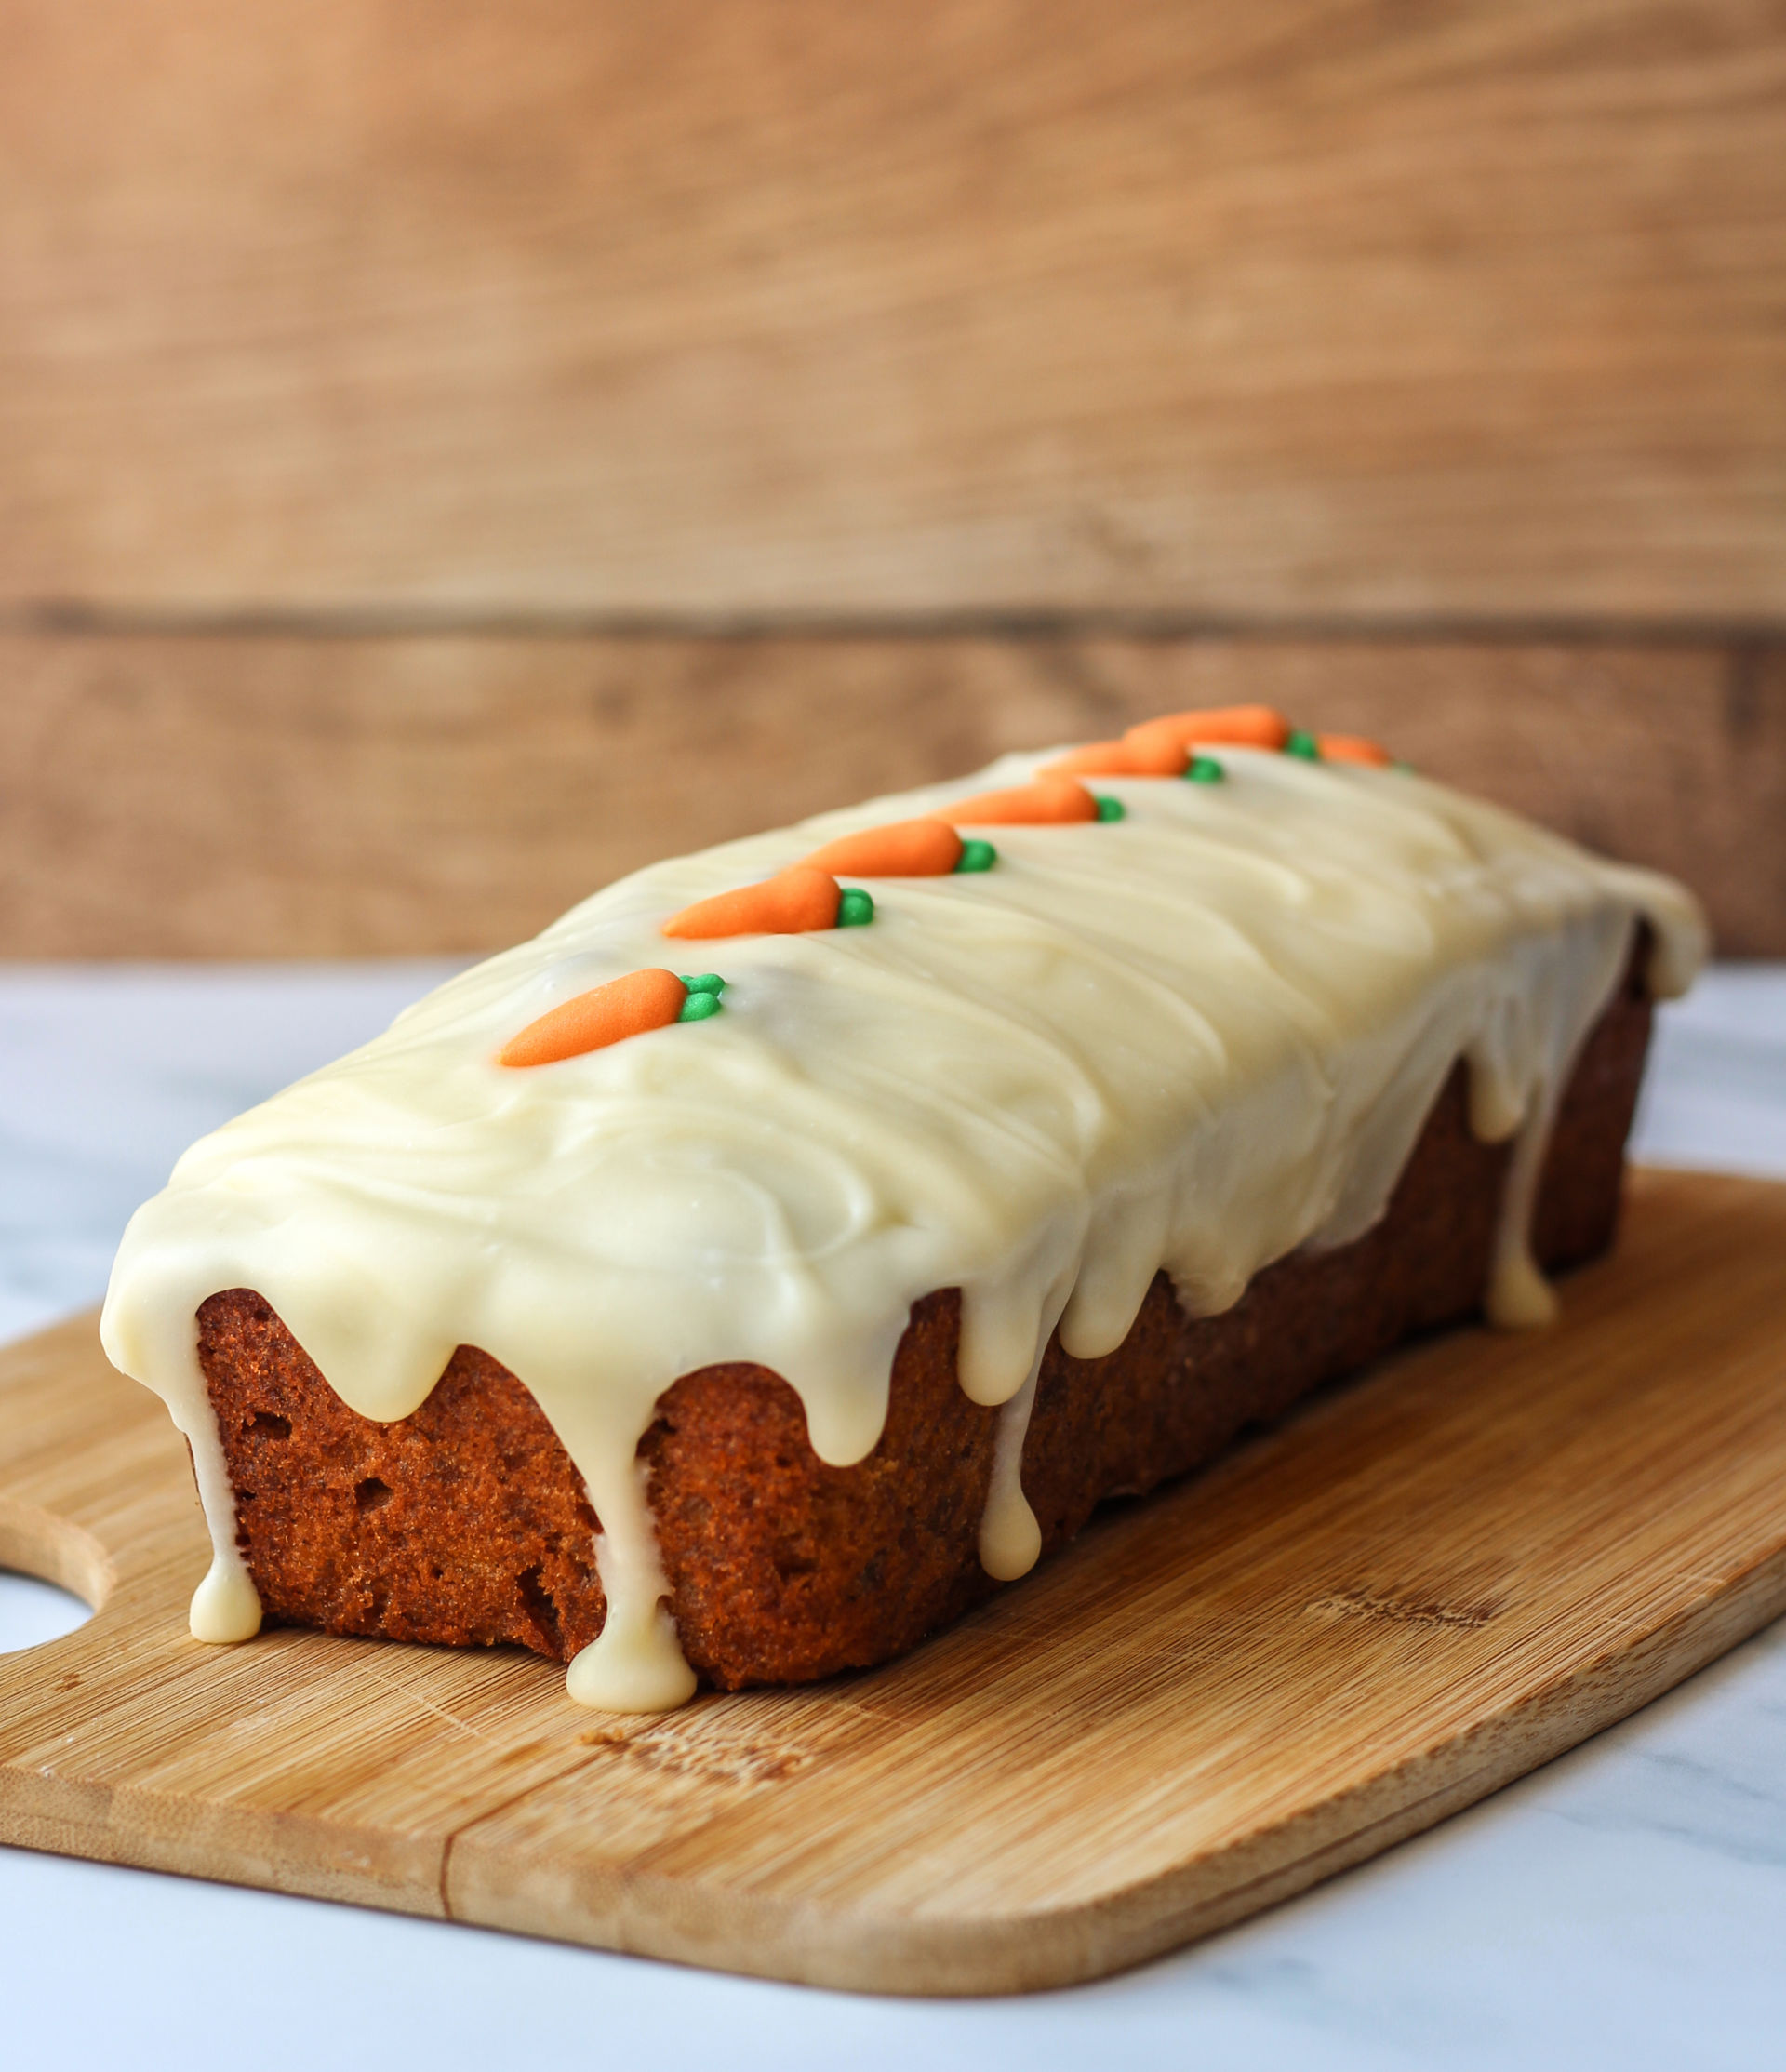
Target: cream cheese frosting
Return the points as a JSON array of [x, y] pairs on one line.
[[1195, 1038]]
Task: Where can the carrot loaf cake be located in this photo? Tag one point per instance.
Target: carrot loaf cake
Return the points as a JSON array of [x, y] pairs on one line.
[[1027, 1137]]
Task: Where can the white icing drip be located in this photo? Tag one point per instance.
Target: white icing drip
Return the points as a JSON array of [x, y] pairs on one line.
[[635, 1662], [1518, 1296], [1195, 1038], [226, 1605], [1010, 1539]]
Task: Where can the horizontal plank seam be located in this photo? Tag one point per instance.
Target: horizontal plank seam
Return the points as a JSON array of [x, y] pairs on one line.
[[67, 618]]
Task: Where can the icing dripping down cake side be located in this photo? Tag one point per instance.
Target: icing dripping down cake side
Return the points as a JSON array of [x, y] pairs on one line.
[[1041, 1067], [465, 1523]]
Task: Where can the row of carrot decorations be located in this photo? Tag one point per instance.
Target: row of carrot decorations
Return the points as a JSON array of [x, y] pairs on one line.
[[807, 896]]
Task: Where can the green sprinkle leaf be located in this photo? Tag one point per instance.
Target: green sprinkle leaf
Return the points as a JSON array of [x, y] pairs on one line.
[[1304, 745], [699, 1006], [1112, 810], [1407, 770], [976, 856], [703, 981], [856, 909], [1205, 769]]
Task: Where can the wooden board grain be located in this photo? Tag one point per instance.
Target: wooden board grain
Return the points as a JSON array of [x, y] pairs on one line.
[[1425, 1583], [237, 796], [1307, 308]]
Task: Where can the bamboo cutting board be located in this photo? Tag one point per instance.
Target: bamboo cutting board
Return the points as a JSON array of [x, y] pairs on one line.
[[1422, 1587]]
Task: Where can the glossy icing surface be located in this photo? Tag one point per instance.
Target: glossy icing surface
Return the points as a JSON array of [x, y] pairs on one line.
[[1196, 1036]]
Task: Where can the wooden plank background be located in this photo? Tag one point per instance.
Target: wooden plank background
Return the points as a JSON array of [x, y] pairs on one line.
[[450, 453], [303, 797]]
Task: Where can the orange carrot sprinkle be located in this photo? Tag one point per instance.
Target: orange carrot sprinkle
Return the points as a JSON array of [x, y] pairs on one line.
[[1048, 799], [790, 903], [1352, 748], [904, 849], [1244, 726], [1157, 756], [622, 1007]]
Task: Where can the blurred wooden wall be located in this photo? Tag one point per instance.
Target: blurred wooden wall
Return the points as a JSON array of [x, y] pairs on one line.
[[450, 453]]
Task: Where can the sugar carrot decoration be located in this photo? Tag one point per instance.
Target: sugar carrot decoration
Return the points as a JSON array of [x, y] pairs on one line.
[[1157, 756], [904, 849], [1354, 748], [791, 903], [623, 1008], [1244, 726], [1047, 800]]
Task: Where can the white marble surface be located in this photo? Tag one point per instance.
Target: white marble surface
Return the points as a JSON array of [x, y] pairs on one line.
[[1625, 1906]]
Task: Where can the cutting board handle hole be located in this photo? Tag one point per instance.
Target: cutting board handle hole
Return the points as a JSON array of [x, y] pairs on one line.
[[53, 1577], [33, 1612]]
